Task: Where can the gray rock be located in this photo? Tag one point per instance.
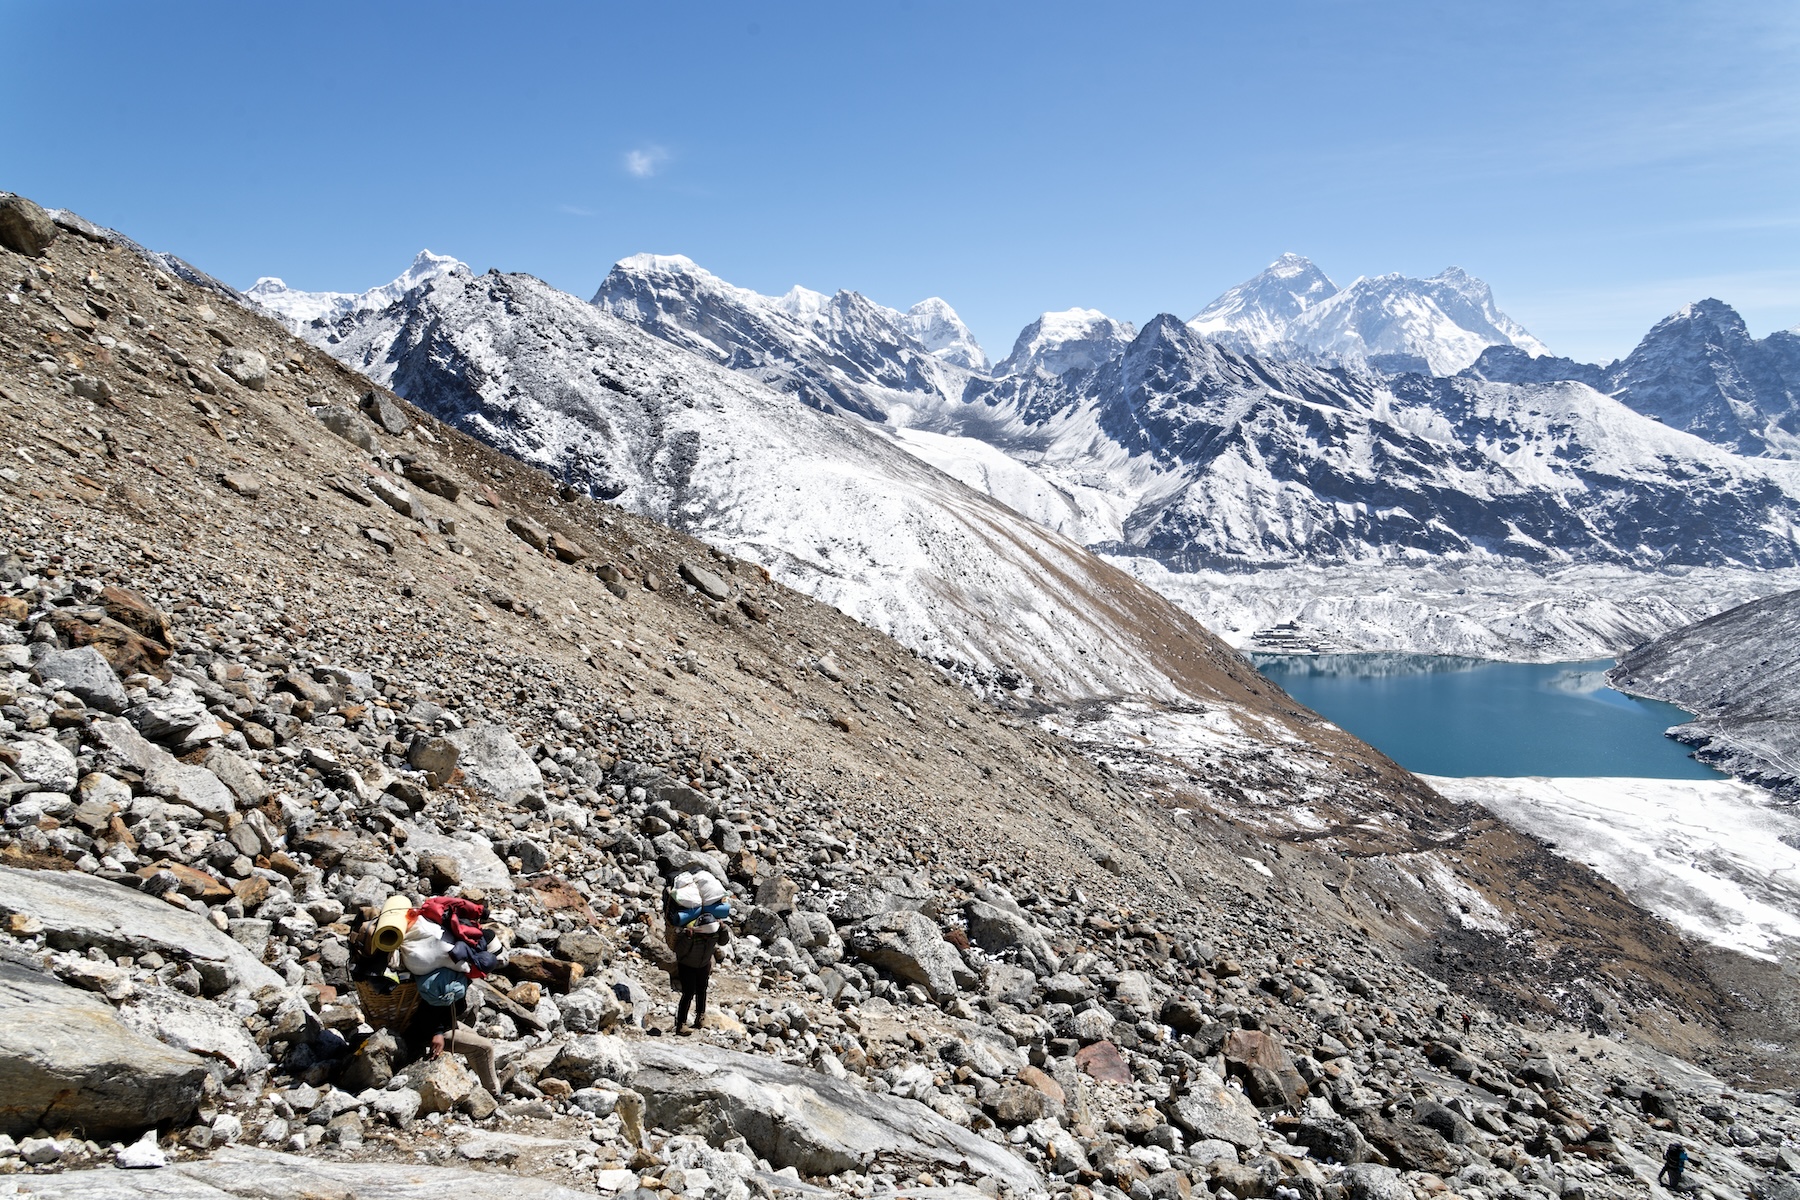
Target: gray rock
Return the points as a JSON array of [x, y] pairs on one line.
[[398, 498], [704, 581], [246, 1171], [246, 366], [494, 763], [799, 1118], [385, 413], [909, 945], [238, 775], [1367, 1181], [347, 425], [87, 674], [1212, 1110], [590, 1010], [196, 787], [1332, 1139], [998, 926], [24, 227], [592, 1058], [44, 762], [67, 1062], [179, 717], [477, 864], [198, 1027], [79, 911], [529, 532], [435, 756]]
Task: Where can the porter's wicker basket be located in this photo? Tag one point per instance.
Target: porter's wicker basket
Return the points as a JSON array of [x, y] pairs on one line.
[[387, 1010]]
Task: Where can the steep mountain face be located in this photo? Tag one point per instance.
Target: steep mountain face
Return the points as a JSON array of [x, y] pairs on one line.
[[832, 352], [1391, 323], [1698, 370], [1254, 317], [1245, 462], [832, 506], [1739, 674], [1076, 339], [295, 308]]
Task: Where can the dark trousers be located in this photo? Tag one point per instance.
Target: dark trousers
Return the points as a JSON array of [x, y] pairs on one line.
[[693, 992]]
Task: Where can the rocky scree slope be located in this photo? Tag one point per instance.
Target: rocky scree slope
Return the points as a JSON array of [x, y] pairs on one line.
[[1739, 674], [273, 659]]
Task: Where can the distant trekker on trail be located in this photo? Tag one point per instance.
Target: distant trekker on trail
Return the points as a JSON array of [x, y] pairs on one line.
[[695, 911], [1675, 1160]]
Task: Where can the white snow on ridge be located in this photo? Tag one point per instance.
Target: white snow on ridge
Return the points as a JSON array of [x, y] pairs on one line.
[[296, 308], [1084, 514], [1718, 860]]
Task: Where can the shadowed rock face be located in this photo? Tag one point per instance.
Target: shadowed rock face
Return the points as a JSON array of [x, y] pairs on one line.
[[797, 1117], [1739, 673]]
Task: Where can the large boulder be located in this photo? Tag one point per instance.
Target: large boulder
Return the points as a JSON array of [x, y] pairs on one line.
[[909, 945], [799, 1118], [493, 762], [84, 673], [248, 367], [476, 863], [998, 925], [1210, 1110], [80, 911], [592, 1058], [66, 1062], [1265, 1066], [211, 1031], [246, 1171], [24, 227]]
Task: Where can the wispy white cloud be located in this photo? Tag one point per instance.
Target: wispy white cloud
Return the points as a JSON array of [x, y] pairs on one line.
[[646, 161], [575, 210]]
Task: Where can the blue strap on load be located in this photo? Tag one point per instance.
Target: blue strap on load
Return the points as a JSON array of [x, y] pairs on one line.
[[718, 910]]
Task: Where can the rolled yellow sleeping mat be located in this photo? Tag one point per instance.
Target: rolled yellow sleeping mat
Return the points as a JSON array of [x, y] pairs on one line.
[[390, 925]]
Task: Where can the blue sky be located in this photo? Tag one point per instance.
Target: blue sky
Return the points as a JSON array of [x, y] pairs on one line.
[[1598, 163]]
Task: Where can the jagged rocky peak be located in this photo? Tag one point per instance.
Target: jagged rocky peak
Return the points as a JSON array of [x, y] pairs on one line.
[[296, 308], [1073, 339], [1255, 314], [1699, 370]]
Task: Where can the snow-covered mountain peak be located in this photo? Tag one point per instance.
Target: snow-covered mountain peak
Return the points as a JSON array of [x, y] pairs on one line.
[[1059, 342], [1254, 315], [295, 308], [937, 327], [1292, 309]]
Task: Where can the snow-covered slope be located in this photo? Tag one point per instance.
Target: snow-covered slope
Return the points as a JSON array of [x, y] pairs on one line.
[[1076, 339], [296, 308], [1438, 325], [833, 352], [831, 505]]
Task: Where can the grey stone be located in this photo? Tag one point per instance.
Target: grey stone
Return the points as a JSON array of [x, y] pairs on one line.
[[179, 717], [1209, 1109], [494, 763], [247, 1171], [799, 1118], [246, 366], [592, 1058], [398, 498], [998, 926], [704, 581], [238, 775], [84, 673], [196, 787], [590, 1010], [80, 911], [1367, 1181], [24, 227], [67, 1062], [347, 425], [198, 1027], [435, 756], [476, 863], [385, 413], [1331, 1139], [44, 762], [909, 945]]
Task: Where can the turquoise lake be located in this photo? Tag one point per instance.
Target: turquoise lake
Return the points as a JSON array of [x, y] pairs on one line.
[[1462, 716]]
